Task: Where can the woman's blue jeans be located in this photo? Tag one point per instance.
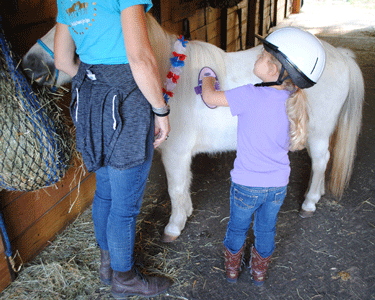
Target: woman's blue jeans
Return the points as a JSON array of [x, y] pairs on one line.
[[265, 204], [117, 202]]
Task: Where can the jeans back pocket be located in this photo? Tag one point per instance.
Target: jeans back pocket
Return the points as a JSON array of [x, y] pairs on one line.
[[244, 200]]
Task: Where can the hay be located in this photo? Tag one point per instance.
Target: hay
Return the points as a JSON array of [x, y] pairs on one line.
[[69, 267], [35, 144]]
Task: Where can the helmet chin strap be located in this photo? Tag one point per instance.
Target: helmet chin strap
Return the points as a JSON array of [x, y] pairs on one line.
[[279, 81]]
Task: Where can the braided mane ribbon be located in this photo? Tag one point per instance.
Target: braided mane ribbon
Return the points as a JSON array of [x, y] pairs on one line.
[[176, 68]]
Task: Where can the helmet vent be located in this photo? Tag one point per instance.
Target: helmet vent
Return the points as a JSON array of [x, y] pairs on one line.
[[316, 62]]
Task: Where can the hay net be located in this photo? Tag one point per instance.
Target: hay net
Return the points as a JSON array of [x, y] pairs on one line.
[[35, 144]]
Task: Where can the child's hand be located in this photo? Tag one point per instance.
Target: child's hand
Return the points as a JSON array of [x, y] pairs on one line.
[[209, 87], [209, 82]]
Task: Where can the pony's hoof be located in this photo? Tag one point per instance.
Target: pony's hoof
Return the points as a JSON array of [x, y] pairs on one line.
[[166, 238], [305, 214]]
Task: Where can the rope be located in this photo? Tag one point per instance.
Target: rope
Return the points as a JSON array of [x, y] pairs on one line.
[[8, 247]]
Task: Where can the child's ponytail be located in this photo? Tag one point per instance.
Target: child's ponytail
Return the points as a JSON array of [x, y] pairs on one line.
[[297, 111]]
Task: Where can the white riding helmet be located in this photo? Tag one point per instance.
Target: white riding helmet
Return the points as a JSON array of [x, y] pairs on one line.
[[300, 52]]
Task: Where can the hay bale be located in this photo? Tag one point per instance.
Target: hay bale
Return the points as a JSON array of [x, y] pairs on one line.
[[35, 143]]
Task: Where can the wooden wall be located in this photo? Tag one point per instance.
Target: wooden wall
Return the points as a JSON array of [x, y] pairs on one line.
[[6, 272], [221, 26], [33, 219]]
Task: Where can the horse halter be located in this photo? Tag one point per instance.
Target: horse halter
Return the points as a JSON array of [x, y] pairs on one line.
[[49, 51]]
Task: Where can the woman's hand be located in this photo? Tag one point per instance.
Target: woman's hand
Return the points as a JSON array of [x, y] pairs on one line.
[[162, 130]]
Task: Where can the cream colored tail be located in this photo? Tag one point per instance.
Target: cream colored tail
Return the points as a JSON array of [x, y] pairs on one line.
[[348, 127]]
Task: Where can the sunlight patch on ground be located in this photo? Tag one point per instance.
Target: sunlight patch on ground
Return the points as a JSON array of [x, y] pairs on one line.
[[333, 17]]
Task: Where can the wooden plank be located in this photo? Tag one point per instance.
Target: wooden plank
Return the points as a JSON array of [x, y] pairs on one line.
[[166, 11], [5, 276], [251, 23], [213, 14], [216, 41], [2, 246], [36, 237], [156, 10], [242, 4], [182, 9], [197, 20], [7, 197], [6, 273], [233, 18], [213, 29], [23, 211], [288, 7], [175, 28], [235, 44], [199, 34], [275, 9], [261, 17], [31, 12], [233, 35], [296, 6], [223, 31]]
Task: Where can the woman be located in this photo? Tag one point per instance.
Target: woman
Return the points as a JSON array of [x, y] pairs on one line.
[[117, 105]]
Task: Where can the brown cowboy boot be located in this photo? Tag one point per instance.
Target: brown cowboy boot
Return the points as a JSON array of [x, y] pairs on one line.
[[233, 264], [105, 271], [258, 266], [133, 283]]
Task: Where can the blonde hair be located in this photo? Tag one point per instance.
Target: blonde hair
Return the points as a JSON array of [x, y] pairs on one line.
[[297, 110]]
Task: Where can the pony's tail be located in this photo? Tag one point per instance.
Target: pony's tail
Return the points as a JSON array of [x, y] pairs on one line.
[[345, 138]]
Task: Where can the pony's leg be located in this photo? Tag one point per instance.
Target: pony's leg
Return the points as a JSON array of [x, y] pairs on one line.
[[319, 153], [177, 168]]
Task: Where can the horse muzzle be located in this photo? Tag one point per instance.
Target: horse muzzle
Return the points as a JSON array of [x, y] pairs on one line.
[[43, 73]]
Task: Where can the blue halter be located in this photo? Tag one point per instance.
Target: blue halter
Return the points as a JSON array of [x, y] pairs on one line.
[[49, 51]]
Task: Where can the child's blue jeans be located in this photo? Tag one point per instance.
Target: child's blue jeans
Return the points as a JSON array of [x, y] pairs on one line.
[[265, 204], [117, 202]]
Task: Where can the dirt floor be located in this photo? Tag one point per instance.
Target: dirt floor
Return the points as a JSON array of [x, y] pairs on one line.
[[328, 256]]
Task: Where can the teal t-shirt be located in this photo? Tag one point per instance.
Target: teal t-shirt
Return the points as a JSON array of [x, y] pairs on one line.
[[96, 29]]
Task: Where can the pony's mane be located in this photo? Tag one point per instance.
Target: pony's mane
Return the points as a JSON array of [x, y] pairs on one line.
[[157, 34], [199, 54]]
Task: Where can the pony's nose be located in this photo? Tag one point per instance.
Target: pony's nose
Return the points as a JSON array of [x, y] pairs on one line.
[[30, 63], [37, 70]]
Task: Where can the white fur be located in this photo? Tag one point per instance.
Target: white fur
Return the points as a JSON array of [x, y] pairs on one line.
[[196, 128]]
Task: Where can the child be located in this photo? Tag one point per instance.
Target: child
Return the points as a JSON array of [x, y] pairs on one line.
[[272, 119]]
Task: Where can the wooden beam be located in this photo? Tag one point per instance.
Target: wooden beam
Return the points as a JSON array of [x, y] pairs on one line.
[[6, 273], [156, 10], [286, 8], [36, 237], [274, 22], [5, 276], [223, 29], [250, 32], [296, 6], [261, 17]]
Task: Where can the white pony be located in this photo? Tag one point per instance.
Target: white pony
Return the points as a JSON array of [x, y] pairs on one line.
[[335, 104]]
